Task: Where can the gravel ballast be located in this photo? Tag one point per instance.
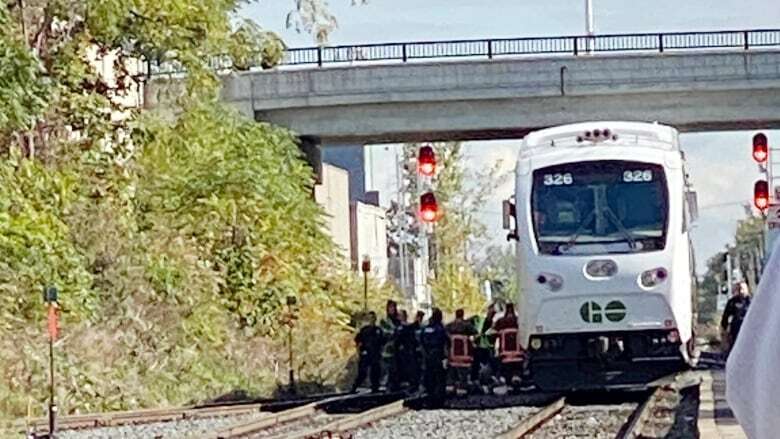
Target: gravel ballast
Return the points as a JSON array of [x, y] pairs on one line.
[[185, 428], [476, 424], [587, 422]]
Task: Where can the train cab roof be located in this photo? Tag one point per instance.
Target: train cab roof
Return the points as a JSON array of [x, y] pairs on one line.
[[604, 133]]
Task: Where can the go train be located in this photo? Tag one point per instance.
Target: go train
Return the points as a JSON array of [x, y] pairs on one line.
[[601, 215]]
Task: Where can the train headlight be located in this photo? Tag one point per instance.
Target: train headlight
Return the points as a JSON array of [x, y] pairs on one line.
[[601, 268], [553, 282], [536, 343], [651, 278]]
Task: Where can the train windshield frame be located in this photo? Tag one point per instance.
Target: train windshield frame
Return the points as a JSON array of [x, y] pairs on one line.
[[600, 207]]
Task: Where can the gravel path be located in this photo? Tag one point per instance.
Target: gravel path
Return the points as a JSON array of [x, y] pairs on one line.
[[586, 422], [450, 424], [161, 430]]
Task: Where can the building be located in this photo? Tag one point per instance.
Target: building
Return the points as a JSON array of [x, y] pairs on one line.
[[333, 195], [369, 238]]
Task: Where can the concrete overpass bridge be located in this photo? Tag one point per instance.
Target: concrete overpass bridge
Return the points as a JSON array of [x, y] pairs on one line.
[[503, 88]]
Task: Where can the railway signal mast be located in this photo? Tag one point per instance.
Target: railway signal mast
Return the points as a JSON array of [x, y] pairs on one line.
[[428, 212], [766, 193]]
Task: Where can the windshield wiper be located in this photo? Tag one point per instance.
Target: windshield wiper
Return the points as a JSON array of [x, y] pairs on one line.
[[621, 228], [579, 231]]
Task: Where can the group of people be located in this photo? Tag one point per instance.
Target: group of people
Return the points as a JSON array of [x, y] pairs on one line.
[[464, 354]]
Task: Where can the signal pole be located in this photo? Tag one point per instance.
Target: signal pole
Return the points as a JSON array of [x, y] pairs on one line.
[[589, 24], [401, 221]]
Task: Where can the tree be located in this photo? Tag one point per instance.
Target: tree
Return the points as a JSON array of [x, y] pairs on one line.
[[174, 240], [459, 235], [499, 267]]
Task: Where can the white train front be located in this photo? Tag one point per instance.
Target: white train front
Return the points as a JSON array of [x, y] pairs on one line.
[[601, 216]]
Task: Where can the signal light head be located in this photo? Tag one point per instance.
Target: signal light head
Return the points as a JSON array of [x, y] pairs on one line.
[[761, 194], [429, 209], [426, 161], [760, 148]]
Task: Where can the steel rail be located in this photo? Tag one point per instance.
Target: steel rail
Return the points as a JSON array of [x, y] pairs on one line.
[[145, 416], [535, 421]]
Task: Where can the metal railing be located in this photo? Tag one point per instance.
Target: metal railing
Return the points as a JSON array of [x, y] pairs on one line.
[[503, 47], [571, 45]]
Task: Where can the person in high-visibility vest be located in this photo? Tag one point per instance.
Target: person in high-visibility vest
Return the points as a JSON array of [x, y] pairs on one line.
[[510, 353], [482, 368], [389, 324], [461, 354]]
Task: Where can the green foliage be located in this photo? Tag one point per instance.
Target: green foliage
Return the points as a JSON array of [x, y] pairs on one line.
[[22, 89], [459, 234], [174, 242], [499, 267]]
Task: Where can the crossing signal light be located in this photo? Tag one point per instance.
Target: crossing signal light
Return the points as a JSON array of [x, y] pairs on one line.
[[761, 194], [426, 161], [760, 148], [429, 209]]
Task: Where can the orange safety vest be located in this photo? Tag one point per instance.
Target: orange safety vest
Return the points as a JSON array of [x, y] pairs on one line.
[[509, 349], [460, 351]]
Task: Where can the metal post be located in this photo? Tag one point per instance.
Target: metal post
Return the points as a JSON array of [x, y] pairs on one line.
[[745, 36], [401, 222], [589, 24], [490, 49], [365, 291], [52, 403], [729, 273], [365, 266], [403, 51], [319, 56], [661, 43]]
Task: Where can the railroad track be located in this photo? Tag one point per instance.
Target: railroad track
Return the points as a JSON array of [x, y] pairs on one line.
[[652, 417], [310, 422], [329, 417], [38, 427]]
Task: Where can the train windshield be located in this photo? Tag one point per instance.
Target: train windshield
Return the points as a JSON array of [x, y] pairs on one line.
[[600, 207]]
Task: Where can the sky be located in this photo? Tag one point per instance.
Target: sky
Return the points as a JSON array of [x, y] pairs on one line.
[[720, 162]]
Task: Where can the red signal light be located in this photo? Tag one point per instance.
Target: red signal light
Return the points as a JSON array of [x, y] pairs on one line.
[[429, 209], [426, 161], [760, 148], [761, 194]]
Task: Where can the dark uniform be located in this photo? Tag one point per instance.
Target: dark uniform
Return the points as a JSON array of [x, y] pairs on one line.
[[370, 340], [435, 343], [406, 348], [734, 315]]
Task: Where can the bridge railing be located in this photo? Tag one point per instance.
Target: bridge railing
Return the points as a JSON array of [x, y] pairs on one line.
[[503, 47]]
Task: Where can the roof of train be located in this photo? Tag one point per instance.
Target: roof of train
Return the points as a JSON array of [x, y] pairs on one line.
[[584, 134]]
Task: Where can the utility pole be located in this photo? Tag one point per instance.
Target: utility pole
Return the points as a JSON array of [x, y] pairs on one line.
[[366, 268], [401, 221], [589, 24]]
